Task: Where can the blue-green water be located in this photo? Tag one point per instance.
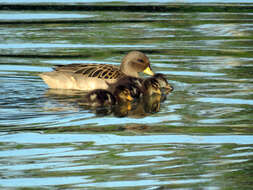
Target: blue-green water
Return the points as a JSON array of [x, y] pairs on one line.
[[198, 137]]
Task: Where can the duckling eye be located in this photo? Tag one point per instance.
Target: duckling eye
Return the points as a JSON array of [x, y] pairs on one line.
[[125, 92], [154, 85]]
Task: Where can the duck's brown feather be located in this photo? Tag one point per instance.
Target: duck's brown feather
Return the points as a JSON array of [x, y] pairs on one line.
[[102, 71]]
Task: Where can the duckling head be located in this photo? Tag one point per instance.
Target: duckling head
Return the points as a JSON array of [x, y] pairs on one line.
[[133, 84], [152, 86], [101, 98], [123, 94], [135, 62], [163, 82], [133, 80]]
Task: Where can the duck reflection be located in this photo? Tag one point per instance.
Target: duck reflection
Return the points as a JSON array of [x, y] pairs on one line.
[[146, 106], [122, 110], [152, 104], [68, 99]]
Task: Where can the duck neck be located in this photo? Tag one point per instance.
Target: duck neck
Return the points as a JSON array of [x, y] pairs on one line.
[[133, 74], [128, 70]]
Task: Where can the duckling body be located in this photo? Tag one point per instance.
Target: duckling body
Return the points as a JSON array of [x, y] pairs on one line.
[[133, 84], [148, 86], [139, 87], [101, 97], [96, 76]]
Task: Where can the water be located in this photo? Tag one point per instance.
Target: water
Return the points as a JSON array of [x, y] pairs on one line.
[[198, 137]]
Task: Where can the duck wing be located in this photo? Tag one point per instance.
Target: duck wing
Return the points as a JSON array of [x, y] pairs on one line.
[[103, 71]]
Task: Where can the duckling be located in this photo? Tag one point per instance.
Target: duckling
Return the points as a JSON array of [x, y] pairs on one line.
[[133, 84], [139, 87], [101, 97], [122, 94], [151, 86], [164, 85]]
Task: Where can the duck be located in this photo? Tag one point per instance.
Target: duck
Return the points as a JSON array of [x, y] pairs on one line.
[[151, 86], [89, 77], [139, 86], [102, 97], [133, 84], [156, 84], [99, 98], [164, 85]]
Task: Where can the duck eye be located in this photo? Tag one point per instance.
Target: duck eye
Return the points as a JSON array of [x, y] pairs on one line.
[[141, 60]]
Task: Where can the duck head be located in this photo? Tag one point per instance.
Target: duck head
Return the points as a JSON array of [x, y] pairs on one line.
[[135, 62]]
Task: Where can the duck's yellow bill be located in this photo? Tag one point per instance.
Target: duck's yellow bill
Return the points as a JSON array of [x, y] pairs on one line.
[[148, 71]]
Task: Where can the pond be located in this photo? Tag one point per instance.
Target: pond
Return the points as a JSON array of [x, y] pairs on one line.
[[200, 136]]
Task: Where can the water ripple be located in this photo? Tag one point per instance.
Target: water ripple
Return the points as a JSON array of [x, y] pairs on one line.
[[105, 139], [226, 101]]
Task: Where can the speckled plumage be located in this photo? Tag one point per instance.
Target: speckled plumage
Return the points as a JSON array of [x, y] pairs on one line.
[[96, 76]]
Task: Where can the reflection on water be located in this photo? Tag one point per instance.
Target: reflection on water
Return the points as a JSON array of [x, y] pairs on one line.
[[137, 109], [197, 137]]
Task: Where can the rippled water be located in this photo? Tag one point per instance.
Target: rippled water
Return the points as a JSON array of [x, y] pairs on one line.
[[198, 137]]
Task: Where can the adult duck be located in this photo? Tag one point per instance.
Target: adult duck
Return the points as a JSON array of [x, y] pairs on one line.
[[96, 76]]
